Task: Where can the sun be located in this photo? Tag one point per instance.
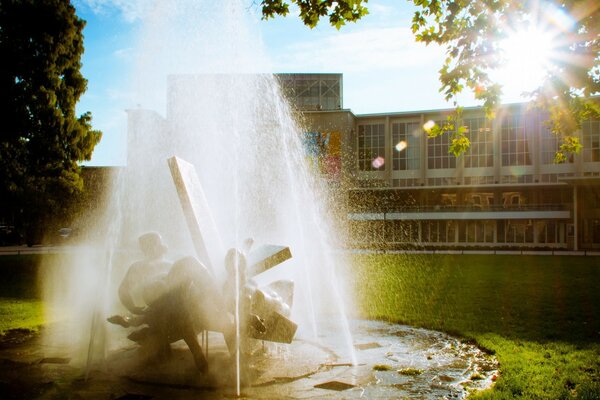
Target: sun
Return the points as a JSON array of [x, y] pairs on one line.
[[528, 56]]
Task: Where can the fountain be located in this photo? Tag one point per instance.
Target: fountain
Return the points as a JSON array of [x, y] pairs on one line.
[[225, 163]]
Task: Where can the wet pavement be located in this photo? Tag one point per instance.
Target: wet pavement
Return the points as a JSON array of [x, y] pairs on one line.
[[392, 361]]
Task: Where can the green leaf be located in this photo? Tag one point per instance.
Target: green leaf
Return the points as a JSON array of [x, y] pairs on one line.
[[459, 144]]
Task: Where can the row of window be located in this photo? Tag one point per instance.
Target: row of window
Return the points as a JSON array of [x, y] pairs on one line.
[[464, 199], [516, 136], [318, 93], [479, 180], [538, 233], [531, 232]]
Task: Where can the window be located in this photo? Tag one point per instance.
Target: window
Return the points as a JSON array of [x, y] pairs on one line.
[[550, 145], [479, 200], [371, 145], [481, 152], [591, 140], [312, 92], [367, 232], [478, 180], [438, 156], [518, 231], [549, 178], [330, 94], [427, 228], [402, 232], [546, 232], [517, 179], [450, 181], [515, 146], [405, 182], [405, 139], [513, 199], [591, 231]]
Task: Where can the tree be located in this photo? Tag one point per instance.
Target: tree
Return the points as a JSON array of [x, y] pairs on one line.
[[41, 139], [471, 31]]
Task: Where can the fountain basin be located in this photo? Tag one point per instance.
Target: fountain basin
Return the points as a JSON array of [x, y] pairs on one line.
[[394, 361]]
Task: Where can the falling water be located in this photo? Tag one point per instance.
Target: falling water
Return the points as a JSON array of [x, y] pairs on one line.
[[201, 92]]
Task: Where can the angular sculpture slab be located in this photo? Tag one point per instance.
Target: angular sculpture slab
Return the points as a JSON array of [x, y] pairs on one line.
[[266, 257], [279, 329], [210, 251], [205, 236]]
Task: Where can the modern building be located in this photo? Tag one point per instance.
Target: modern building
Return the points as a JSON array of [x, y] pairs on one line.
[[405, 189]]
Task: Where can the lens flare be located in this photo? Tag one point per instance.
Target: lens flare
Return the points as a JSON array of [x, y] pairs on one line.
[[401, 145], [517, 171], [428, 126], [558, 18], [378, 162]]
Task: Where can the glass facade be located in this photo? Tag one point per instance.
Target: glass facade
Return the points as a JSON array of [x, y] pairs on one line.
[[499, 173], [549, 234], [549, 144], [515, 143], [479, 180], [406, 138], [591, 140], [438, 151], [481, 152], [313, 91], [371, 146]]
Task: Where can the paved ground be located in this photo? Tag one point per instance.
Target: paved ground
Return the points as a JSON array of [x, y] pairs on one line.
[[392, 362]]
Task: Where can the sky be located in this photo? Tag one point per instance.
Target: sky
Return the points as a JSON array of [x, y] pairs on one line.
[[384, 69]]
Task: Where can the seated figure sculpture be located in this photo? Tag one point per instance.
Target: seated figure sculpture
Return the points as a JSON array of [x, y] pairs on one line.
[[182, 300], [143, 278], [190, 304], [171, 302]]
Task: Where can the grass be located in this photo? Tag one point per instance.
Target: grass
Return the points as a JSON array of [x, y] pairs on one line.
[[382, 367], [540, 315], [18, 313], [20, 303], [410, 371]]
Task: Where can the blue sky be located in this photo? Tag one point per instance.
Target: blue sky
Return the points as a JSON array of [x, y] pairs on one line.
[[384, 69]]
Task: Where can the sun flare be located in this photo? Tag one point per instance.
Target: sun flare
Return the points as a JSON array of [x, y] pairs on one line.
[[528, 56]]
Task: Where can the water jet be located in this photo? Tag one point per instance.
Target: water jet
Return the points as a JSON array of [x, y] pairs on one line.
[[244, 176]]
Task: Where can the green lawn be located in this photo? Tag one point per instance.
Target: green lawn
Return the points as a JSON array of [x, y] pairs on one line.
[[18, 313], [20, 303], [540, 315]]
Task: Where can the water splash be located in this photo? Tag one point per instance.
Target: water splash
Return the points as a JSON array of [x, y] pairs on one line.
[[198, 68]]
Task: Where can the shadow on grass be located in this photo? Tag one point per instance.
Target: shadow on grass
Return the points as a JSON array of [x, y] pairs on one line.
[[20, 276], [21, 306]]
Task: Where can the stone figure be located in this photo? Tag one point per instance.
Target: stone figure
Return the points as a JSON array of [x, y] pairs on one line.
[[190, 305], [142, 282], [171, 302]]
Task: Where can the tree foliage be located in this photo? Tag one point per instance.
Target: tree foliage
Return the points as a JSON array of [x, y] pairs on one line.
[[41, 138], [471, 30], [311, 11]]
